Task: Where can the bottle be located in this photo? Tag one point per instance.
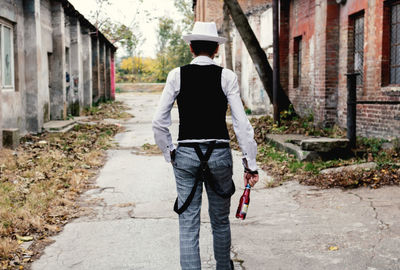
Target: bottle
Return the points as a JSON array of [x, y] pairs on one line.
[[244, 203]]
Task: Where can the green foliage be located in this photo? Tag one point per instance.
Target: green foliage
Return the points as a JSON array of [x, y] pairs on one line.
[[137, 69], [373, 145], [289, 114], [172, 50], [185, 8]]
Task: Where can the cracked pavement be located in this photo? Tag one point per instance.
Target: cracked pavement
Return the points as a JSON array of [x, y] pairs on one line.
[[131, 224]]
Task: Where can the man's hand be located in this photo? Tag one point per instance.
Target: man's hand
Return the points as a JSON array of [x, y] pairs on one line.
[[250, 178]]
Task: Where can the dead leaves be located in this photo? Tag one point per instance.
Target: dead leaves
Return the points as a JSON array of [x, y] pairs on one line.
[[333, 248], [109, 110], [40, 182], [367, 178]]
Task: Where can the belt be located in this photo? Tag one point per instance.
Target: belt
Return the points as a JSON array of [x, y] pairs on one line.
[[214, 143]]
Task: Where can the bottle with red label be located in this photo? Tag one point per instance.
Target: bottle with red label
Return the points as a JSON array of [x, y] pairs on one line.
[[244, 203]]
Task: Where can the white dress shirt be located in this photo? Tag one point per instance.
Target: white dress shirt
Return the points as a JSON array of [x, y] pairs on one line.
[[241, 125]]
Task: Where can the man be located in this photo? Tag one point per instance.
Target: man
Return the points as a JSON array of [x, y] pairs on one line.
[[203, 90]]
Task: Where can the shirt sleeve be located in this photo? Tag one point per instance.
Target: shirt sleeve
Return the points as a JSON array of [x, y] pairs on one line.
[[241, 125], [162, 118]]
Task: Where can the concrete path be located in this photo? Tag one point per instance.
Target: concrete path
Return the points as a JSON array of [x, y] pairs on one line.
[[291, 227]]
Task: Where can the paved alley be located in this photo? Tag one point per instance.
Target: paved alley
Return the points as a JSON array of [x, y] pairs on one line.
[[133, 226]]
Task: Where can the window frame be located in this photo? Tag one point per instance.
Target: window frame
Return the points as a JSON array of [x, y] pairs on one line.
[[386, 84], [391, 46], [297, 61], [3, 25], [354, 50]]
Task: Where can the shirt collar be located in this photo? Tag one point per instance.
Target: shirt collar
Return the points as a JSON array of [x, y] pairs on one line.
[[202, 60]]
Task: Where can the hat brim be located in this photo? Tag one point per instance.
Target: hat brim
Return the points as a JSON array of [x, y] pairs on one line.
[[189, 38]]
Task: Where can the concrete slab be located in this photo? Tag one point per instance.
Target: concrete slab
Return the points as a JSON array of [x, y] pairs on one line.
[[324, 144], [59, 126], [281, 141], [306, 148], [363, 166]]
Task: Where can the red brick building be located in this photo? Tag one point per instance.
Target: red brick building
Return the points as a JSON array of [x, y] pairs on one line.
[[211, 10], [320, 42]]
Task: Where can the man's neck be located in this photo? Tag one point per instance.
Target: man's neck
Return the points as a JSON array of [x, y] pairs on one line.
[[212, 56]]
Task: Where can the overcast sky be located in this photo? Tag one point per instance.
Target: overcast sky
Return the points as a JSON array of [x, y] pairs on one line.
[[124, 11]]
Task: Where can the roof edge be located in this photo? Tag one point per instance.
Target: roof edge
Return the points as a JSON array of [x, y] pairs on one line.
[[69, 9]]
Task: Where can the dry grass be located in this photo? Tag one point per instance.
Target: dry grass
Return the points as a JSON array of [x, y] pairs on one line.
[[40, 182], [108, 110], [151, 149]]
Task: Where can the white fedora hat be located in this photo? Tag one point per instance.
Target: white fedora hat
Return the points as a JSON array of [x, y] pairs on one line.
[[206, 31]]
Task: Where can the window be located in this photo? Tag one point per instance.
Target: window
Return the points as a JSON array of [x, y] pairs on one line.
[[7, 55], [297, 61], [359, 48], [395, 44]]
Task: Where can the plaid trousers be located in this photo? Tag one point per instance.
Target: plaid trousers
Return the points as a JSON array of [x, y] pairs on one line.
[[185, 166]]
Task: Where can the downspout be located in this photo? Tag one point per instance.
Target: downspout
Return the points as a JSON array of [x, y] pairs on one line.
[[276, 70]]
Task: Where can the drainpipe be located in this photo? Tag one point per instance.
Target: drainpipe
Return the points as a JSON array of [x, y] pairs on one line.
[[352, 108], [276, 77]]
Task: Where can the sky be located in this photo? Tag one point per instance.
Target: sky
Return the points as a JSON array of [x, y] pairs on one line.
[[124, 11]]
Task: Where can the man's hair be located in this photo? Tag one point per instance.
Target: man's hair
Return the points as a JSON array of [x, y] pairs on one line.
[[203, 47]]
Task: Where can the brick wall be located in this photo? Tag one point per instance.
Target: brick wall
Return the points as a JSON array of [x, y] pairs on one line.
[[211, 10], [297, 20], [372, 119], [327, 38]]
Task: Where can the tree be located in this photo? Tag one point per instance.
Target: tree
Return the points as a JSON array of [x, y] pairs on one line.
[[127, 64], [226, 28], [185, 8], [257, 54], [172, 50], [127, 36], [164, 32], [98, 15]]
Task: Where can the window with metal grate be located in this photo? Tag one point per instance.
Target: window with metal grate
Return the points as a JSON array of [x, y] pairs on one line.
[[359, 48], [297, 61], [395, 44]]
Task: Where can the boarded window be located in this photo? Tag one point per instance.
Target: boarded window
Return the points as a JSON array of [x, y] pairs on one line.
[[297, 61], [359, 48], [395, 44], [7, 56]]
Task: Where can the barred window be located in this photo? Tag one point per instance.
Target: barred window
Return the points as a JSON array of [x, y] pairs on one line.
[[297, 61], [395, 44], [359, 48], [7, 56]]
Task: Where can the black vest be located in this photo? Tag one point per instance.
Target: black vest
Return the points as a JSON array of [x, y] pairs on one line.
[[202, 103]]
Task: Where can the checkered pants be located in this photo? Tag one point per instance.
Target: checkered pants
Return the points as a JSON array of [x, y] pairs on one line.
[[185, 165]]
